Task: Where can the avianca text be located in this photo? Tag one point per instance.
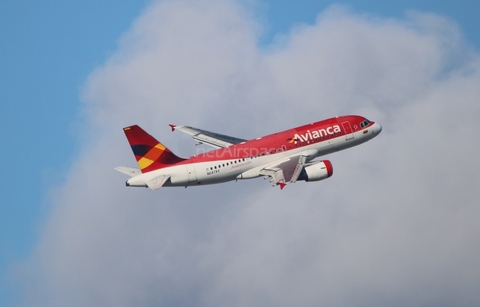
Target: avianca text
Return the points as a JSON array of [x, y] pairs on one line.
[[317, 133]]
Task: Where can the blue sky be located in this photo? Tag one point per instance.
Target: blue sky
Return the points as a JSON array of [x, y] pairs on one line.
[[48, 50]]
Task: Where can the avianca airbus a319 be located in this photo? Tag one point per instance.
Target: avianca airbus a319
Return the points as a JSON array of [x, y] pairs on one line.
[[283, 157]]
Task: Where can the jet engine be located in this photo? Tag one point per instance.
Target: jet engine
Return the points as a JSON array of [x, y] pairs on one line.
[[316, 171]]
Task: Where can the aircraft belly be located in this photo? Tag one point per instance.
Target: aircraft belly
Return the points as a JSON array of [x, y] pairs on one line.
[[191, 173]]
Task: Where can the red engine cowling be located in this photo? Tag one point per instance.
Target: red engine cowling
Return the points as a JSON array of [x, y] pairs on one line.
[[317, 171]]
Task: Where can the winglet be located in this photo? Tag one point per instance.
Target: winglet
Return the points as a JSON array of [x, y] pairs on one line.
[[282, 185], [172, 126]]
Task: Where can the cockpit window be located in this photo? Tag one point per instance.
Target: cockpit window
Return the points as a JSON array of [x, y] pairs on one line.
[[364, 123]]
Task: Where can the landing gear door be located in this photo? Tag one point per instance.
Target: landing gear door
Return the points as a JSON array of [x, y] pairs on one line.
[[348, 130]]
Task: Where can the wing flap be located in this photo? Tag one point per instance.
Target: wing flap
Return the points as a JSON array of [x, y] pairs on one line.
[[276, 174], [285, 171], [298, 168]]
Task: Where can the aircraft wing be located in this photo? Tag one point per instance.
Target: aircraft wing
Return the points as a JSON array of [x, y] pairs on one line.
[[285, 171], [214, 139]]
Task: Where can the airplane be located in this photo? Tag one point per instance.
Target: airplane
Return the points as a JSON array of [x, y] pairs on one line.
[[283, 157]]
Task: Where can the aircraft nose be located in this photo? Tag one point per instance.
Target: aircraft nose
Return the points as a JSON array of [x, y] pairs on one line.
[[377, 128]]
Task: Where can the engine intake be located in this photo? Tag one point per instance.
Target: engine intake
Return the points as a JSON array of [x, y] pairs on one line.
[[317, 171]]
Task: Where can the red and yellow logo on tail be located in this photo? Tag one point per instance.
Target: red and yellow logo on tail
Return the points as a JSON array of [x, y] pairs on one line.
[[151, 156], [149, 153]]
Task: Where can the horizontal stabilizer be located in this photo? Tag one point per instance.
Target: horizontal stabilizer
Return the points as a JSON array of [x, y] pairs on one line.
[[130, 171], [157, 183]]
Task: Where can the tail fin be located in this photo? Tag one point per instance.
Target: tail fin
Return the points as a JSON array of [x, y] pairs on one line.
[[150, 153]]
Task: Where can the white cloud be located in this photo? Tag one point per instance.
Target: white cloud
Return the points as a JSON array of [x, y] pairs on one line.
[[395, 225]]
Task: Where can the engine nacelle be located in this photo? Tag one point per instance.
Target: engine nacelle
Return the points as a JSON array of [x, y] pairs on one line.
[[318, 171]]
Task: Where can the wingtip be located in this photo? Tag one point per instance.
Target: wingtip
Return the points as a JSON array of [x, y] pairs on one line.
[[172, 126]]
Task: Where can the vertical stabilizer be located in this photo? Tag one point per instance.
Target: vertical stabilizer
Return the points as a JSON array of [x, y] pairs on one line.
[[149, 153]]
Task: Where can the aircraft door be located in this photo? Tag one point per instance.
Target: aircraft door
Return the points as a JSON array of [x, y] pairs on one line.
[[348, 130], [192, 175]]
